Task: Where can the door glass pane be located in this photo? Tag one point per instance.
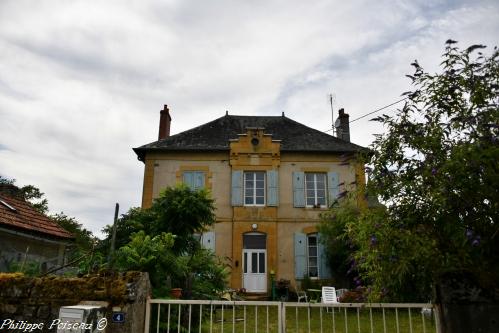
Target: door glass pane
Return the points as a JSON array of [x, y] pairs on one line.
[[245, 262], [261, 263], [254, 262]]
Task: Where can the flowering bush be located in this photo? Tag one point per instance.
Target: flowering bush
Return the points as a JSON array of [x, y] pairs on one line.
[[436, 170]]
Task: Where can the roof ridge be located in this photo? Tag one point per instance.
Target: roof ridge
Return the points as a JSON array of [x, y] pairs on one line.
[[215, 135]]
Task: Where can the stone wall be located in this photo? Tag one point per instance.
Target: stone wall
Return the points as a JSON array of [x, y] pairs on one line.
[[467, 304], [25, 300]]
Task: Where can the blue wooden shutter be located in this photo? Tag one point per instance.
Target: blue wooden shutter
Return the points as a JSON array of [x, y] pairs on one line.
[[324, 269], [198, 180], [298, 189], [300, 255], [237, 188], [208, 240], [333, 186], [272, 188]]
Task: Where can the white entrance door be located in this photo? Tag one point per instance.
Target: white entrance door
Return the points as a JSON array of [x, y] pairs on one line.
[[255, 270]]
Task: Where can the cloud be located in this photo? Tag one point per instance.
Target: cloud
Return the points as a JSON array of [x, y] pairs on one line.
[[83, 81]]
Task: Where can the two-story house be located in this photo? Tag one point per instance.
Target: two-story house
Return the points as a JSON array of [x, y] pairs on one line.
[[271, 177]]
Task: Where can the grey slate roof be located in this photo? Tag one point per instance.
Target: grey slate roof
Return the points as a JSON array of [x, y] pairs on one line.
[[215, 136]]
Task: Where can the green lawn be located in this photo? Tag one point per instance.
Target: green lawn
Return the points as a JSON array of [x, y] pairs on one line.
[[249, 320]]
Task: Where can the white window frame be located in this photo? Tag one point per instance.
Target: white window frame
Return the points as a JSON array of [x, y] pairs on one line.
[[194, 173], [314, 235], [315, 189], [246, 174]]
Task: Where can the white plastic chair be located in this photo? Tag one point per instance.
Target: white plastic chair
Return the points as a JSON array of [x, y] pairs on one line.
[[302, 296], [329, 296]]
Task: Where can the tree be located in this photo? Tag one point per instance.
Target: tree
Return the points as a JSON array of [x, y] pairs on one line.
[[339, 247], [30, 193], [127, 224], [182, 212], [178, 213], [436, 169], [84, 239], [178, 210]]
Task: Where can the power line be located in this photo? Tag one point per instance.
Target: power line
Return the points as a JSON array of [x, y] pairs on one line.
[[377, 110], [384, 107]]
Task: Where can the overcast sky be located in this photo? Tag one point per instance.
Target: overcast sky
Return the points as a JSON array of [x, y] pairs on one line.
[[82, 82]]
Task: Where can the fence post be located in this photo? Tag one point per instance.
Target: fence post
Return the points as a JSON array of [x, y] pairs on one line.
[[281, 313], [148, 315], [437, 308]]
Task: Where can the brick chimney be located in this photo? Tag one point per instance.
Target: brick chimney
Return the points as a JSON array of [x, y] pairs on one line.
[[342, 126], [164, 123]]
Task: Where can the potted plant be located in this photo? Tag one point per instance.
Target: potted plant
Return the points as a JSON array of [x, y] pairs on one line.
[[176, 292]]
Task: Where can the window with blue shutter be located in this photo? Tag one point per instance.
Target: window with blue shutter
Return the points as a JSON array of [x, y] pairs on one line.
[[237, 188], [312, 256], [333, 186], [298, 189], [324, 269], [208, 240], [315, 189], [254, 188], [195, 180], [272, 188], [300, 255]]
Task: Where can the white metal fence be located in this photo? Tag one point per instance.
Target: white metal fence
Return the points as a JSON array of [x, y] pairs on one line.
[[165, 316]]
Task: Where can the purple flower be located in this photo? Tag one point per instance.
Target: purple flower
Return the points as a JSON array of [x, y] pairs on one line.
[[469, 233], [476, 241], [374, 240], [433, 171]]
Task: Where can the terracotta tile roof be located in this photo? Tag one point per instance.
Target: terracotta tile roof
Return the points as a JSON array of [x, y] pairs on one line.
[[216, 135], [20, 215]]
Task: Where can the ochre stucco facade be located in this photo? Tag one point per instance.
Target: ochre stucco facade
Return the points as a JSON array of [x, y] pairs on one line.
[[279, 223]]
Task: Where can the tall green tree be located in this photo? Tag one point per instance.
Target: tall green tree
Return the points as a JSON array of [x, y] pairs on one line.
[[436, 168], [178, 210], [160, 240], [182, 212]]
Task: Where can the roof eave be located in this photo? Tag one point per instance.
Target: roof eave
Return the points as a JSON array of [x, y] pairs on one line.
[[37, 234], [141, 152]]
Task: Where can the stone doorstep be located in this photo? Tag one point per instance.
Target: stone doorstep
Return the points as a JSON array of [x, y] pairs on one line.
[[256, 296]]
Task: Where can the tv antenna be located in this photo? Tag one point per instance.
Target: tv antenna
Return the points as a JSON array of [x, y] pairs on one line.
[[332, 100]]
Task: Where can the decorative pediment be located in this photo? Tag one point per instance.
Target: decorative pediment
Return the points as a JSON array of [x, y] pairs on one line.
[[255, 148]]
